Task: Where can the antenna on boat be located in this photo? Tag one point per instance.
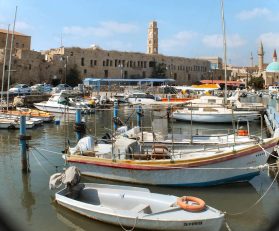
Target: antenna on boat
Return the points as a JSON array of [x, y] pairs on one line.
[[225, 50], [4, 67], [10, 59]]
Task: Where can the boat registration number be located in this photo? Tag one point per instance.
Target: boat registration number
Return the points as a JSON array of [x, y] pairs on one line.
[[193, 223]]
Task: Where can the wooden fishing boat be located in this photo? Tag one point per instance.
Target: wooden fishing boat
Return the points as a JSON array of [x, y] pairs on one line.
[[196, 165], [139, 208]]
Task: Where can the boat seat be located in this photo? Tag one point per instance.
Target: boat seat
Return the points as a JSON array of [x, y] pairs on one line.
[[141, 208]]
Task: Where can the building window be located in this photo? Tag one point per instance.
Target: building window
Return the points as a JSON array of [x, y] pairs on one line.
[[144, 64], [82, 61], [106, 73], [91, 63], [72, 53], [60, 71], [104, 63], [84, 71], [115, 62], [95, 62], [110, 63], [30, 66]]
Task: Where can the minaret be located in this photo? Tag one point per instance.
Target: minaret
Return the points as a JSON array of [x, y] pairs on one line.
[[274, 57], [152, 41], [261, 56]]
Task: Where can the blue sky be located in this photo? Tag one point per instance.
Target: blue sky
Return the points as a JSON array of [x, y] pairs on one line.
[[187, 28]]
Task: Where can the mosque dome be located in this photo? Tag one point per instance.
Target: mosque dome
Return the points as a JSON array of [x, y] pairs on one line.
[[273, 67]]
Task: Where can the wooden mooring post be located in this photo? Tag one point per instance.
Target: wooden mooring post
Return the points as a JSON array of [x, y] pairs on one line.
[[23, 145]]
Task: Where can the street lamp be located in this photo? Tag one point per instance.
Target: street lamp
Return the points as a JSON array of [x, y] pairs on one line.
[[121, 70]]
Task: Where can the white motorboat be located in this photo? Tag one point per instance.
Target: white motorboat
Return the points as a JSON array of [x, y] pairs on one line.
[[62, 103], [12, 123], [142, 98], [209, 109], [133, 206]]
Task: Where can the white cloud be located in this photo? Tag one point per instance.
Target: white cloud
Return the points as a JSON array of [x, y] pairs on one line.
[[179, 40], [105, 29], [270, 39], [216, 40], [23, 26], [256, 12], [20, 26]]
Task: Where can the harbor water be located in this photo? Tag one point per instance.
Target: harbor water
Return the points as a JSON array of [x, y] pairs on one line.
[[27, 203]]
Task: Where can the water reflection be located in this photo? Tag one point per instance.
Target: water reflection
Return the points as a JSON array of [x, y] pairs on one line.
[[27, 197]]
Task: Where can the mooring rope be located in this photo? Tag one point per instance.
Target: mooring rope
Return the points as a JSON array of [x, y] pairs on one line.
[[134, 226], [39, 163], [266, 152], [41, 149], [259, 200], [53, 165]]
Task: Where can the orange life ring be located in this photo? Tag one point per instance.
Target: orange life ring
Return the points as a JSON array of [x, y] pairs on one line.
[[242, 132], [198, 204]]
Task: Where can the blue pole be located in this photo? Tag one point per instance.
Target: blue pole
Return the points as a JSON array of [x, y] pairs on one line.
[[78, 122], [139, 114], [115, 114], [78, 116], [22, 134]]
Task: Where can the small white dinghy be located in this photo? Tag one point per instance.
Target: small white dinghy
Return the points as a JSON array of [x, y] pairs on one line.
[[136, 207]]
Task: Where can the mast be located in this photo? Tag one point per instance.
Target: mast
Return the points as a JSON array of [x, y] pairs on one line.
[[4, 67], [225, 50], [10, 60]]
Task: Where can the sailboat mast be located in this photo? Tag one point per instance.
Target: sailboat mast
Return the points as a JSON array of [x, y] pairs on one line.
[[225, 50], [10, 60], [4, 67]]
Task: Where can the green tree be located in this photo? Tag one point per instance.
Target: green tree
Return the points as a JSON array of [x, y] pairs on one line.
[[256, 82], [159, 70], [73, 76]]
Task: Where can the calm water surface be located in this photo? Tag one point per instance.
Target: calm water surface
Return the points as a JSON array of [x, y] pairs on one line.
[[28, 202]]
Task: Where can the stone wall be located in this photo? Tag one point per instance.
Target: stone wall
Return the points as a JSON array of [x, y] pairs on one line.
[[100, 63], [34, 67]]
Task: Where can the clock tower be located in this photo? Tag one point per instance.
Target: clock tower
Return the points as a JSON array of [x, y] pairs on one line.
[[152, 41]]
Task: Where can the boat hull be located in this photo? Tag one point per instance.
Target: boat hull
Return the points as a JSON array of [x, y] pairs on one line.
[[230, 167], [174, 219], [55, 109], [213, 118]]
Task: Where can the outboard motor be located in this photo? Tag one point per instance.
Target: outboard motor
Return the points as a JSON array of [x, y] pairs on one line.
[[84, 144], [70, 178]]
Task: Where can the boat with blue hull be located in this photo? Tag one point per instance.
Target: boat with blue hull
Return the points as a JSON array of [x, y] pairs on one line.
[[200, 166]]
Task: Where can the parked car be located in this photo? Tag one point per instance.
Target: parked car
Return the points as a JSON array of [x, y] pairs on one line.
[[41, 88], [20, 89], [62, 86]]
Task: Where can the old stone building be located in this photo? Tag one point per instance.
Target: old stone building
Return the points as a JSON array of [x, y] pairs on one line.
[[21, 41], [98, 63], [34, 67]]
